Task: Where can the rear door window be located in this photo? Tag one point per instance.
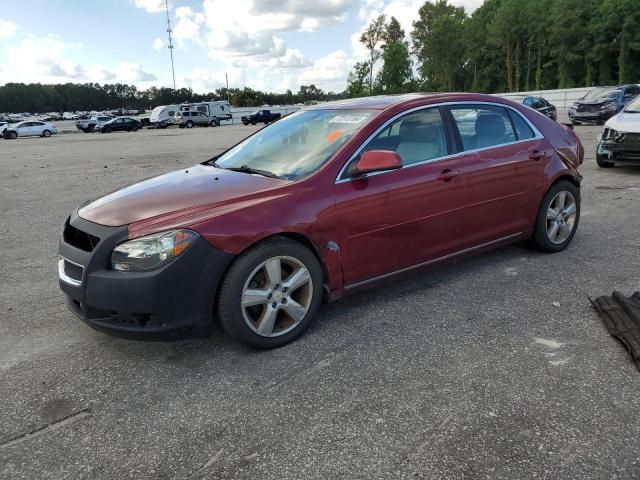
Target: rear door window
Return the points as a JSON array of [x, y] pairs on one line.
[[482, 126]]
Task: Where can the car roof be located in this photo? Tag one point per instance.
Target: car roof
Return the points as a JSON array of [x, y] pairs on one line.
[[382, 102]]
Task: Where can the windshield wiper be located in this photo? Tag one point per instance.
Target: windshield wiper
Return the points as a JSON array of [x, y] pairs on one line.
[[248, 169]]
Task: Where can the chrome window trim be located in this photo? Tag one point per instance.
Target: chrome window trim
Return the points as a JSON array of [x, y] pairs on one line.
[[537, 135], [64, 277]]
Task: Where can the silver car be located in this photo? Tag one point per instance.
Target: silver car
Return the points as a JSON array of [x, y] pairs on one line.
[[29, 128]]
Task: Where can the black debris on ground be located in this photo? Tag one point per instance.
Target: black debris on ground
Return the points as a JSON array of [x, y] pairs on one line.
[[621, 316]]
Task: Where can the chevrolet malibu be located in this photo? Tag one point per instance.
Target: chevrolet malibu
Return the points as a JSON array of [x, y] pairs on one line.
[[329, 200]]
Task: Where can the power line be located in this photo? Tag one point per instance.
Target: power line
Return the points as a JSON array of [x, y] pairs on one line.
[[173, 72]]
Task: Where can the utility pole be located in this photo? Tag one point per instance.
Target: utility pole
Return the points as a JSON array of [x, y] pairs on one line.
[[173, 72], [227, 78]]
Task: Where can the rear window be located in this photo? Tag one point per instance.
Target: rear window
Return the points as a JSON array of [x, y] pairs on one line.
[[523, 130], [483, 126]]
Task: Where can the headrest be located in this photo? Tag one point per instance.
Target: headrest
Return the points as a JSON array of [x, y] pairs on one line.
[[490, 125], [418, 132]]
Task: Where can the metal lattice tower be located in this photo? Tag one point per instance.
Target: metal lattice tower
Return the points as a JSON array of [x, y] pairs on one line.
[[173, 72]]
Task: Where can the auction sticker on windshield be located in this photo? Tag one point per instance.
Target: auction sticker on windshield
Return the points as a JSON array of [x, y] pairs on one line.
[[348, 118]]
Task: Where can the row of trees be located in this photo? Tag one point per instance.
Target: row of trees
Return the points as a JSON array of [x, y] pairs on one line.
[[38, 98], [505, 45]]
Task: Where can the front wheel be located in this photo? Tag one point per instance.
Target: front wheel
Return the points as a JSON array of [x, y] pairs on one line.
[[558, 218], [189, 124], [46, 133], [602, 163], [270, 294], [11, 135]]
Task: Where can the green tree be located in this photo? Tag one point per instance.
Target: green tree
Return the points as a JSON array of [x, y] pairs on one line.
[[357, 80], [371, 38], [396, 72], [438, 42]]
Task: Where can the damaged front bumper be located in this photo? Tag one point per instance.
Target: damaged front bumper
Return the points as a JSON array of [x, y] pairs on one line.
[[620, 148]]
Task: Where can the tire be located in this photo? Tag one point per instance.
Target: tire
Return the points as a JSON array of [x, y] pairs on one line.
[[602, 163], [11, 135], [253, 123], [249, 272], [214, 123], [542, 234], [575, 123], [91, 129], [46, 133], [106, 130], [134, 129], [189, 124], [245, 123]]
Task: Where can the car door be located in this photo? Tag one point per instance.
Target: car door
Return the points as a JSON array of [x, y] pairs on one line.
[[119, 124], [396, 219], [37, 128], [506, 157], [27, 129]]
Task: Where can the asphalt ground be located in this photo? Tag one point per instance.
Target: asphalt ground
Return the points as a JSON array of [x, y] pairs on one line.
[[495, 366]]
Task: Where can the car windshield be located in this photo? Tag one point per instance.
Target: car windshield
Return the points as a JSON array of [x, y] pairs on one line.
[[296, 145], [602, 94], [634, 107]]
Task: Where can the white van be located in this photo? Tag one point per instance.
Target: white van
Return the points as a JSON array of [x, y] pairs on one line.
[[215, 111], [162, 116]]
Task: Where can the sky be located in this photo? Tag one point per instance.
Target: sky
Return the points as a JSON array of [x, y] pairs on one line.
[[269, 45]]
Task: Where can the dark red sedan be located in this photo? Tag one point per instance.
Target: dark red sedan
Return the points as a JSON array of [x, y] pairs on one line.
[[323, 202]]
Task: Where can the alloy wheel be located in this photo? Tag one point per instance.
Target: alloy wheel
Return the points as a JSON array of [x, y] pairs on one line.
[[277, 296], [561, 217]]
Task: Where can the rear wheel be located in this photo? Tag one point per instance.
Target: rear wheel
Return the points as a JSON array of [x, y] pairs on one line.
[[134, 128], [270, 294], [189, 124], [214, 122], [575, 123], [602, 162], [558, 218]]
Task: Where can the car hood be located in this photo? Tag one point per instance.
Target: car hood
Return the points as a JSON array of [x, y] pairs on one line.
[[184, 191], [595, 102], [625, 122]]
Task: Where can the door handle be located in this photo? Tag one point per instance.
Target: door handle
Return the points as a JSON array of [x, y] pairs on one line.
[[537, 155], [447, 175]]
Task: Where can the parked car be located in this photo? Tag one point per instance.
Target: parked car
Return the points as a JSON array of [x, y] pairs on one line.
[[261, 116], [193, 119], [602, 103], [120, 124], [90, 124], [327, 201], [541, 105], [620, 140], [216, 111], [29, 128]]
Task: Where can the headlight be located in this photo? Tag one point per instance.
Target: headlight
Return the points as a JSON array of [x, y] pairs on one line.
[[154, 251], [609, 106]]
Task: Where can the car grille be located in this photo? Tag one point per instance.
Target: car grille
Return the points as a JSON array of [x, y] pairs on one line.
[[73, 271], [79, 239], [588, 108], [633, 138]]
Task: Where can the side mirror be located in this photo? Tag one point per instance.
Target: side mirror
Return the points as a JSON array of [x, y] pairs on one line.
[[378, 160]]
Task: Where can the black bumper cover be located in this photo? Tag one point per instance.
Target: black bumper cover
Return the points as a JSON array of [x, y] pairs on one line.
[[172, 302]]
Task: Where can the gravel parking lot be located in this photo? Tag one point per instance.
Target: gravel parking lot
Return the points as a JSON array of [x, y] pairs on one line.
[[495, 366]]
